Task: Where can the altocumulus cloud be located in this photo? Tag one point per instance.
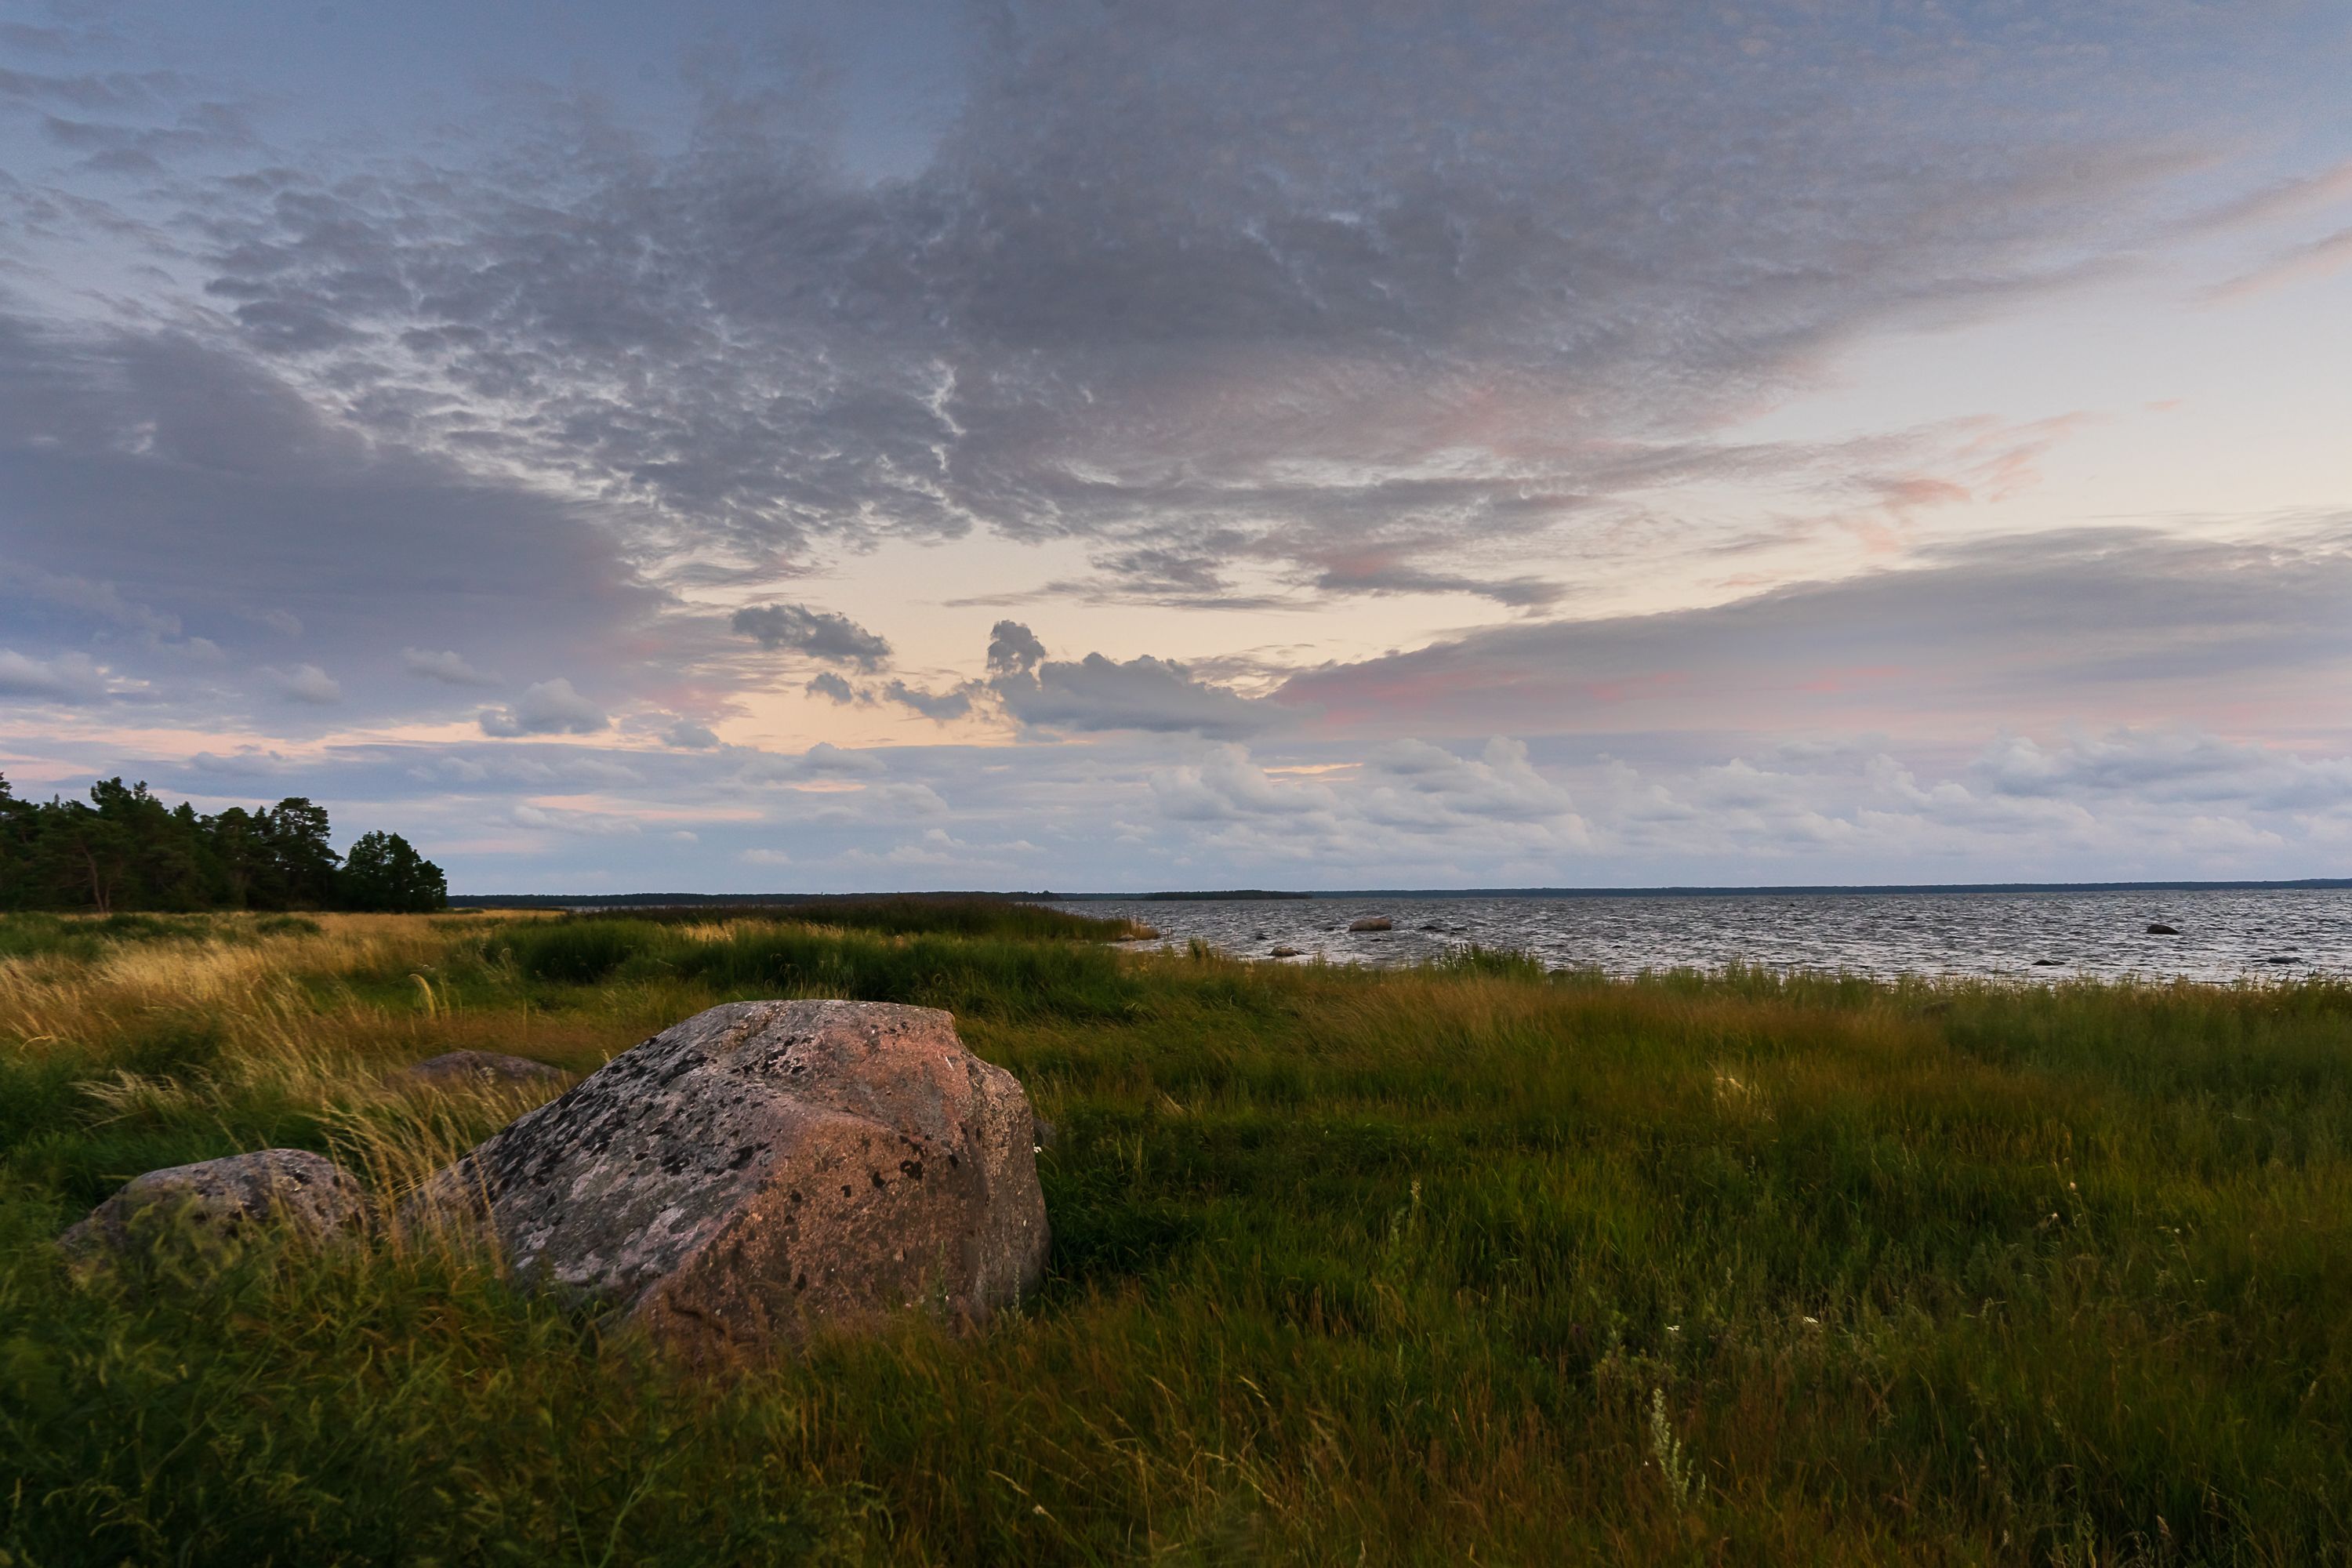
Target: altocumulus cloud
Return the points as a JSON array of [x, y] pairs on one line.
[[1358, 310]]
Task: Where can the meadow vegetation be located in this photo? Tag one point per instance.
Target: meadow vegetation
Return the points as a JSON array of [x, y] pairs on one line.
[[1463, 1263]]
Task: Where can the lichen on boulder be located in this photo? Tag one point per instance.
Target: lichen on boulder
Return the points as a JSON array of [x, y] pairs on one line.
[[765, 1167], [223, 1203]]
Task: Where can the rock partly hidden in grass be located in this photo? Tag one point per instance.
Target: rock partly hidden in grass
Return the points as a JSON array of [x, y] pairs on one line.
[[1285, 952], [1372, 922], [765, 1167], [223, 1204], [453, 1069]]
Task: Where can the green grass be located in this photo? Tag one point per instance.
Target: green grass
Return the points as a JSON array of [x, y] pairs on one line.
[[1467, 1263]]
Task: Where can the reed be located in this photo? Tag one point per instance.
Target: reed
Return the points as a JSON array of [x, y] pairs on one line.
[[1463, 1263]]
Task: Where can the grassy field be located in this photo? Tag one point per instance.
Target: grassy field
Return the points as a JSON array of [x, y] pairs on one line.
[[1462, 1264]]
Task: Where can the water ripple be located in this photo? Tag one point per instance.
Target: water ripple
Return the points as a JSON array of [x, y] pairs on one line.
[[2223, 936]]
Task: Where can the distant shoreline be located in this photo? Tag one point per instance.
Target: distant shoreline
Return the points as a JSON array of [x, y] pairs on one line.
[[656, 901]]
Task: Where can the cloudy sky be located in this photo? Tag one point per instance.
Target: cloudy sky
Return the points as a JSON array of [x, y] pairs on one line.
[[895, 444]]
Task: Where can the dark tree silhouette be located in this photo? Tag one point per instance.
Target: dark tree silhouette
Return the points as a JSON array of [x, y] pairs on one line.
[[125, 850], [383, 872]]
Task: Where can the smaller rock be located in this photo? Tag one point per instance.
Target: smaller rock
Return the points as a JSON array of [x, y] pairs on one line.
[[2282, 960], [1372, 922], [2157, 927], [224, 1201], [452, 1069], [1257, 936], [2049, 964], [1285, 952], [1432, 925]]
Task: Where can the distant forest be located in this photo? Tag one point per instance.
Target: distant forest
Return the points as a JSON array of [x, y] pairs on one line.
[[127, 850]]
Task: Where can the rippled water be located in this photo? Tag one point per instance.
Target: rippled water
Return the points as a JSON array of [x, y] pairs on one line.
[[2223, 935]]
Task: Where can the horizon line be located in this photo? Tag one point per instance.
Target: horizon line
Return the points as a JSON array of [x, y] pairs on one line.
[[2182, 885]]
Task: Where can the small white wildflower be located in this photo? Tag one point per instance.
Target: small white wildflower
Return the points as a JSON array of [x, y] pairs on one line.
[[1814, 1322]]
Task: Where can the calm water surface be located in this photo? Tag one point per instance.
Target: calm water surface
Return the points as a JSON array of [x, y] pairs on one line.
[[2239, 935]]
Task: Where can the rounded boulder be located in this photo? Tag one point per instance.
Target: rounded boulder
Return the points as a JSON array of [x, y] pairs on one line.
[[224, 1202], [765, 1167]]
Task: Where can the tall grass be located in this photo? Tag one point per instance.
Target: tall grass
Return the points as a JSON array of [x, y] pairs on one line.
[[1464, 1263]]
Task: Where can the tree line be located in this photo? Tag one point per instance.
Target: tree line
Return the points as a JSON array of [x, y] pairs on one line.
[[125, 850]]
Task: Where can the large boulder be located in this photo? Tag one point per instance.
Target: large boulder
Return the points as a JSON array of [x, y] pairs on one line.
[[223, 1203], [766, 1166]]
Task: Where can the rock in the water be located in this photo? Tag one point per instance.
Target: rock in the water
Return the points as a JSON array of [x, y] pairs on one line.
[[1372, 922], [223, 1202], [1285, 952], [489, 1068], [2049, 964], [2157, 927], [765, 1166]]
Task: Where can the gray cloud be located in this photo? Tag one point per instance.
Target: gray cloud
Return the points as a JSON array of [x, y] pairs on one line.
[[305, 683], [548, 708], [449, 669], [103, 600], [67, 677], [820, 634], [831, 687], [1013, 649], [172, 486], [2112, 622], [1096, 693], [824, 761], [688, 735], [937, 706]]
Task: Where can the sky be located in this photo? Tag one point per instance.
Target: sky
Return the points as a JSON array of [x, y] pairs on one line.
[[1095, 445]]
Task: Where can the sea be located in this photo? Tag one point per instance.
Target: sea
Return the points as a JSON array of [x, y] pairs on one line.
[[2216, 934]]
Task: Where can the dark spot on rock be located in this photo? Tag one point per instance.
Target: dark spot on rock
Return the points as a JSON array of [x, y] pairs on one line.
[[800, 1281], [845, 1192], [913, 1168], [873, 1176]]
